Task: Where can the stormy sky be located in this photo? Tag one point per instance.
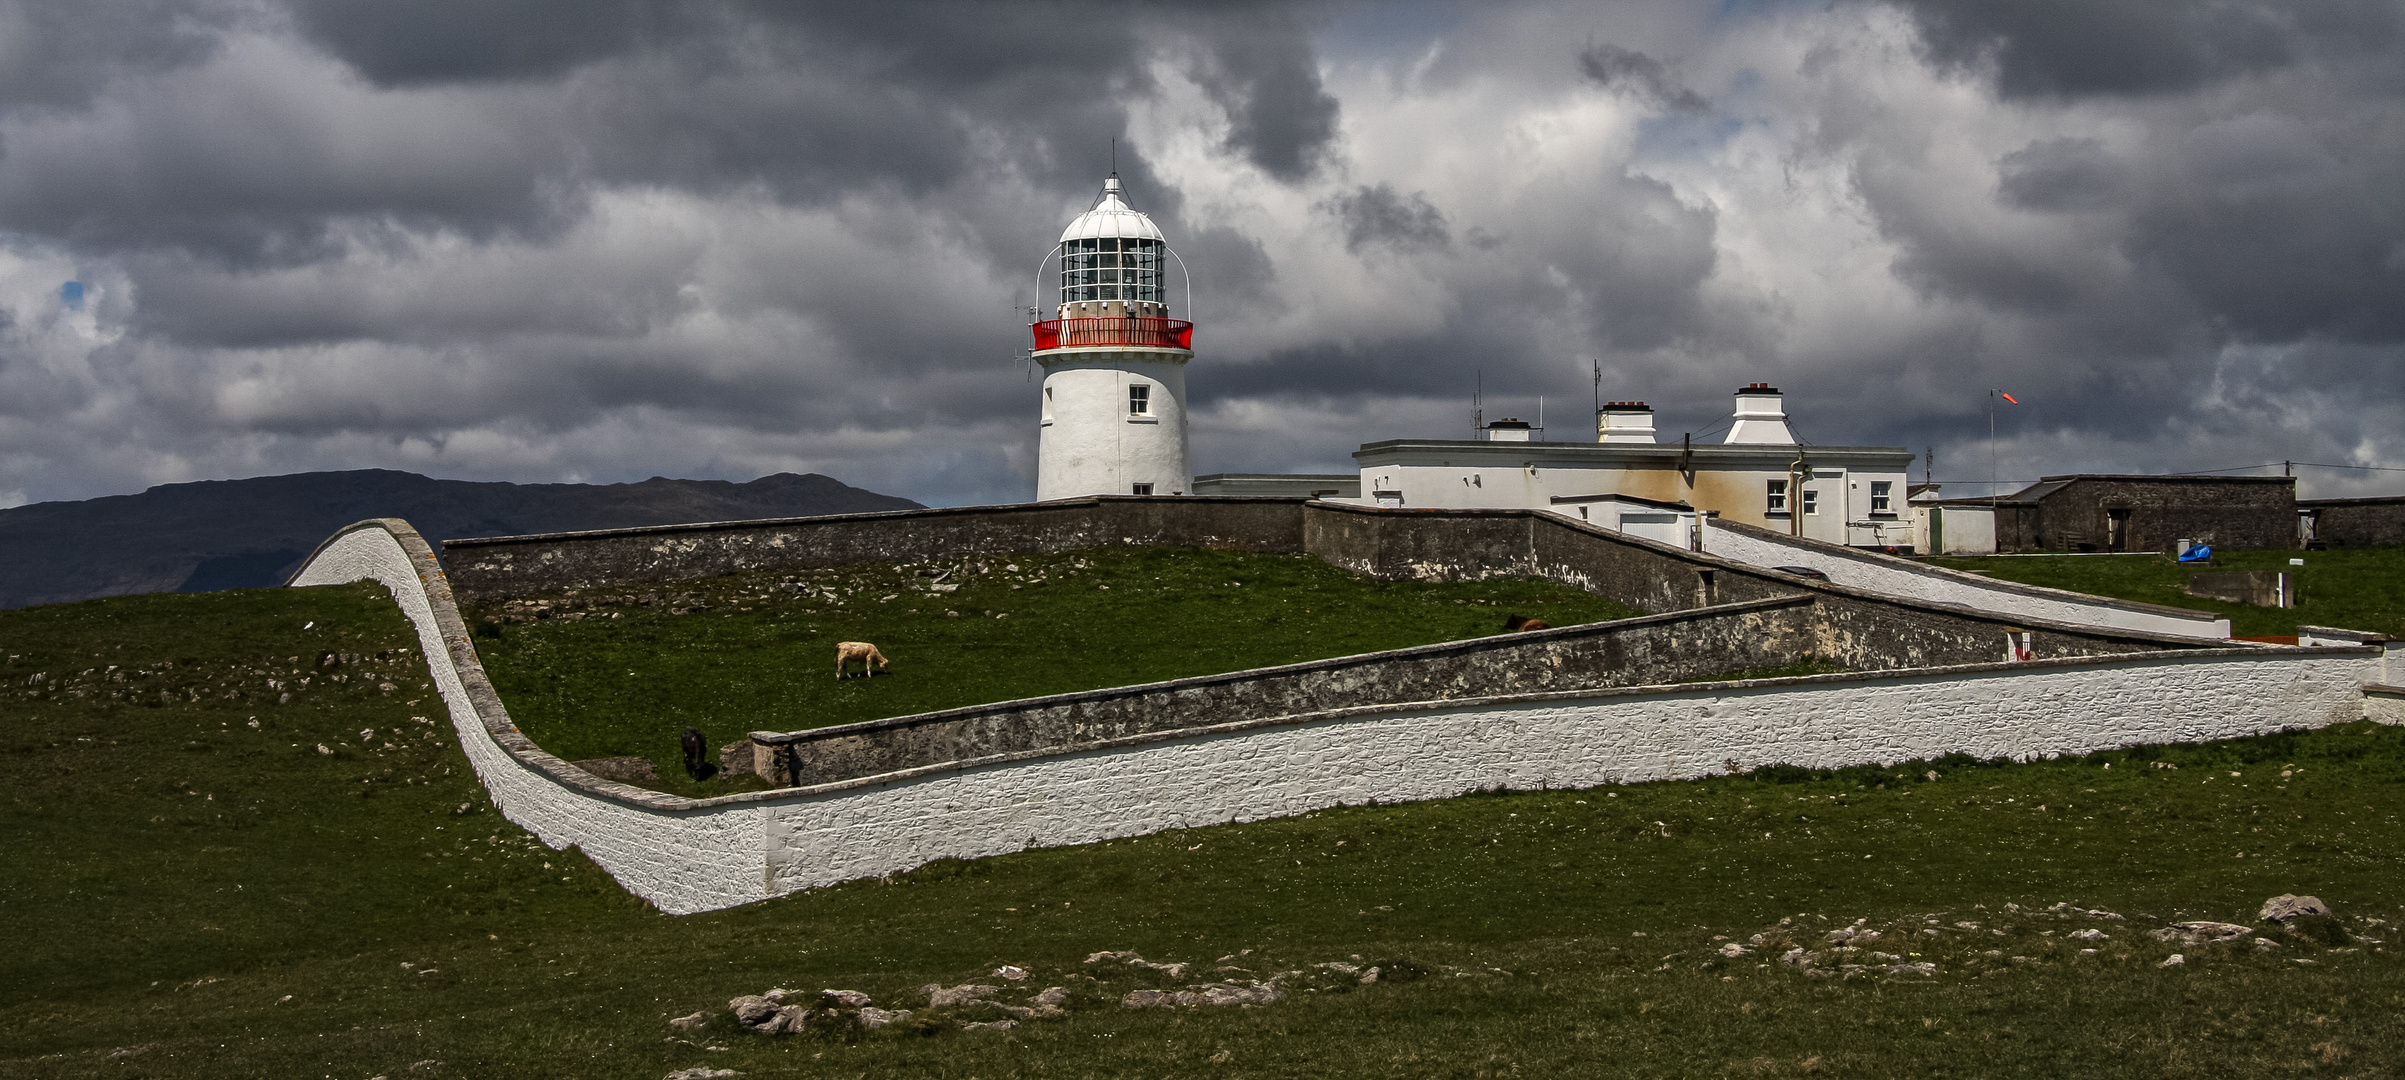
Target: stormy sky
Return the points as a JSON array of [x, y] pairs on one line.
[[603, 240]]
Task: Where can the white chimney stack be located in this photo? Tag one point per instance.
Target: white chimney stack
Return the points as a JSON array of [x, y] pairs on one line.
[[1624, 422], [1508, 429], [1761, 418]]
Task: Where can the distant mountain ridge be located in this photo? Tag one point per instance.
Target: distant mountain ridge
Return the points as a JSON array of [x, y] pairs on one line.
[[227, 534]]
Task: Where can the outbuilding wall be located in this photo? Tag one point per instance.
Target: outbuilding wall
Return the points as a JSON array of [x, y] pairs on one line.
[[2239, 512]]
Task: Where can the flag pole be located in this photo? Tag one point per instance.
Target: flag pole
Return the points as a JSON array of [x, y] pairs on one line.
[[1991, 452]]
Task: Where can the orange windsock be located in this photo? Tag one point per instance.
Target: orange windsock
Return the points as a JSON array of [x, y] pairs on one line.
[[2010, 398]]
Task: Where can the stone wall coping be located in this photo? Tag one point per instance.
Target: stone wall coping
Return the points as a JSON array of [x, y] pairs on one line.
[[2363, 500], [869, 515], [1822, 548], [1489, 642]]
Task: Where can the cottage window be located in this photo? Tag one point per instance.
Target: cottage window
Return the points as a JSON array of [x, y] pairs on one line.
[[1811, 501], [1777, 501], [1882, 498]]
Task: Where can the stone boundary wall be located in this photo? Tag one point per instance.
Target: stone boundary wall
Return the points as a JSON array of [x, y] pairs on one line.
[[490, 569], [689, 855], [1904, 577]]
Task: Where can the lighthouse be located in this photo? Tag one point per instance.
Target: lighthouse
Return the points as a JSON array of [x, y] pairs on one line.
[[1114, 404]]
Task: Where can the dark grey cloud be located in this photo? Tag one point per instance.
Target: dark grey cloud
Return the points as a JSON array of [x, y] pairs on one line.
[[59, 55], [1279, 117], [521, 239], [2076, 47], [2063, 174], [1378, 214], [1631, 72], [442, 41]]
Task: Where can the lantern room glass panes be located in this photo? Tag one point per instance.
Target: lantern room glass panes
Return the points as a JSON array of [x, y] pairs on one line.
[[1111, 268]]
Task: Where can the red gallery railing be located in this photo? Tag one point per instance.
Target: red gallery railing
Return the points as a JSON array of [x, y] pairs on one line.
[[1141, 333]]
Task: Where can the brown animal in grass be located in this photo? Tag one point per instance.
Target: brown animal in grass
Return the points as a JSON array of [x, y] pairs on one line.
[[848, 651], [1522, 623]]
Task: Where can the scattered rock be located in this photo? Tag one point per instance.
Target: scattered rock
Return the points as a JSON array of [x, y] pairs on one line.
[[2068, 908], [1175, 970], [873, 1018], [1733, 950], [1921, 967], [690, 1023], [752, 1010], [2086, 935], [2266, 944], [735, 758], [1011, 973], [702, 1072], [2203, 933], [990, 1025], [2176, 960], [1258, 993], [625, 770], [843, 999], [2287, 908], [939, 996], [1055, 996], [789, 1018]]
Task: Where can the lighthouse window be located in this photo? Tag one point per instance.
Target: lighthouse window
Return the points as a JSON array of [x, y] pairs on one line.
[[1111, 268], [1139, 400]]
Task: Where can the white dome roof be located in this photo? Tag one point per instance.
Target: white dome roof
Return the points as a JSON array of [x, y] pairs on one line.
[[1111, 217]]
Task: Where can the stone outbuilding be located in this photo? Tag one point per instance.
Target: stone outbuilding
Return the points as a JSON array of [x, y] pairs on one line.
[[2346, 523], [2109, 512]]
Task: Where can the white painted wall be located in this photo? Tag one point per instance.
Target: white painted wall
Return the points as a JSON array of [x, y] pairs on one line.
[[1901, 577], [684, 861], [1968, 530], [1091, 445], [687, 856]]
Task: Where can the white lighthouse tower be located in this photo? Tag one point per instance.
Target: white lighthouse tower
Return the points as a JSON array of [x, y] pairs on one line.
[[1114, 363]]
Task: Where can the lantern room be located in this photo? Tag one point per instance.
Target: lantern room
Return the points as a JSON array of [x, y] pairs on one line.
[[1111, 260], [1113, 270]]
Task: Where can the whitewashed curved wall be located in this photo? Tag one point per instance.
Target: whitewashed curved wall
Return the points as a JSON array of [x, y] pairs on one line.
[[684, 860], [1899, 577], [688, 856]]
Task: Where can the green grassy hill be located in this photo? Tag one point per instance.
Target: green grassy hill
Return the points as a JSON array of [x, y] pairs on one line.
[[623, 671], [188, 895]]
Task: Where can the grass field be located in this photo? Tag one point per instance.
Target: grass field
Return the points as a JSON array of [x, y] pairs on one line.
[[622, 672], [189, 895], [2354, 588]]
